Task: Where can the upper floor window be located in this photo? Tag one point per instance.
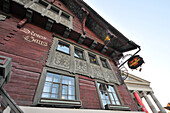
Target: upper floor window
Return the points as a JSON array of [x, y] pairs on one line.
[[79, 53], [108, 95], [59, 87], [104, 63], [63, 47], [93, 59]]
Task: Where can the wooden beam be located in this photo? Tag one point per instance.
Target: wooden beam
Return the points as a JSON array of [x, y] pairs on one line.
[[22, 23], [49, 25], [29, 15], [66, 32], [104, 49], [93, 45], [81, 39]]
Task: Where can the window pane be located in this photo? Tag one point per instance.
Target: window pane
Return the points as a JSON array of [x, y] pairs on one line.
[[64, 97], [47, 87], [102, 87], [102, 95], [54, 96], [71, 97], [115, 96], [55, 88], [79, 54], [107, 97], [93, 59], [104, 103], [45, 95], [111, 96], [57, 78], [104, 63], [113, 102], [110, 89], [108, 101], [117, 102], [64, 89], [71, 81], [63, 47], [65, 80], [71, 90], [49, 76]]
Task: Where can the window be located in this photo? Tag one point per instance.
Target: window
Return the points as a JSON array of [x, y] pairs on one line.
[[63, 47], [59, 87], [93, 59], [65, 16], [79, 53], [108, 94], [104, 63]]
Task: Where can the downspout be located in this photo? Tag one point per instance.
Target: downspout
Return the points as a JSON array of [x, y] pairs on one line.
[[84, 20]]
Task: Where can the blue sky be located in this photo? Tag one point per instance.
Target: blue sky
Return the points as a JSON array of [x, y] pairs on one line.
[[147, 23]]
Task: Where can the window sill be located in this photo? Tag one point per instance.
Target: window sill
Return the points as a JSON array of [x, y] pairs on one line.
[[60, 102], [117, 107]]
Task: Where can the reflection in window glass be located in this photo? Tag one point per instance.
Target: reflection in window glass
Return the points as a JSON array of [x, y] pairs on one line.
[[63, 47], [104, 63], [78, 53], [54, 83], [93, 59], [108, 94]]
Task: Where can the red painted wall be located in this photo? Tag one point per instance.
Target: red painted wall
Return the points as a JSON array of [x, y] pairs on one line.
[[126, 97], [88, 93], [28, 51]]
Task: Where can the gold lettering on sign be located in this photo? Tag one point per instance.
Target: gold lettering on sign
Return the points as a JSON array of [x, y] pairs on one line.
[[32, 37]]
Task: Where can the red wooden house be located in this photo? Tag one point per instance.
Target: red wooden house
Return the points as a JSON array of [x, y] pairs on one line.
[[60, 59]]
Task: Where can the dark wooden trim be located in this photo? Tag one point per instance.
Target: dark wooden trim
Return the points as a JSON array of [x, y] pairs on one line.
[[104, 49], [49, 25], [81, 39], [67, 32], [29, 15], [93, 45]]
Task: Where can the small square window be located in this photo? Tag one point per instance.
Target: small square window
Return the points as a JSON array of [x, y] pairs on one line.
[[79, 53], [104, 63], [63, 47], [93, 59]]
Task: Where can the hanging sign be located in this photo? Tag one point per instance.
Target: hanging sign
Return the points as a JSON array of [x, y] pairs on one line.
[[135, 61]]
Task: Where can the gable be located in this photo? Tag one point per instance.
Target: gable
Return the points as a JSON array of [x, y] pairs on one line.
[[131, 79]]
